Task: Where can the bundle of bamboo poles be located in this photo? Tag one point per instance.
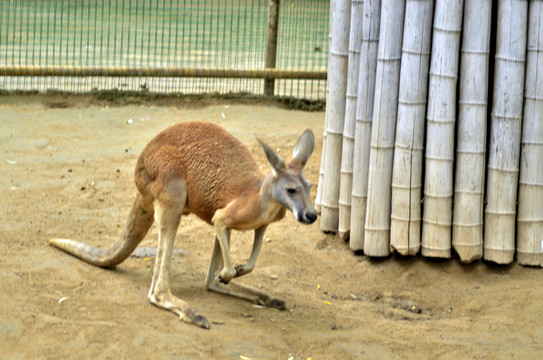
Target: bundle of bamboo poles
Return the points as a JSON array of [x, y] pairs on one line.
[[404, 70]]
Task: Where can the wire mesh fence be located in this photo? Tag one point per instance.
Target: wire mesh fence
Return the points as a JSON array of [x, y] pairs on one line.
[[163, 46]]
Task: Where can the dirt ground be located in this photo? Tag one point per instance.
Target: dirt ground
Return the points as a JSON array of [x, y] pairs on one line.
[[66, 169]]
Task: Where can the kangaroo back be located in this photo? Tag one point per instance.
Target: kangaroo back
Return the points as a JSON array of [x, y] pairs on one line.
[[215, 167]]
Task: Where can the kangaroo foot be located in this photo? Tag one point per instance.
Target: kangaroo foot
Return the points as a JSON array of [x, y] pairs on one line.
[[174, 304]]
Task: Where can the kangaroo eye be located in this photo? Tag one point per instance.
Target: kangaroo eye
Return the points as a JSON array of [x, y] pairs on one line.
[[291, 190]]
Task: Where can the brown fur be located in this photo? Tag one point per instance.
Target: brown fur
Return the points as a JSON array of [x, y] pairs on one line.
[[206, 157]]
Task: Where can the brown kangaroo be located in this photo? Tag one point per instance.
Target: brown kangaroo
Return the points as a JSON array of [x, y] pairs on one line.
[[198, 167]]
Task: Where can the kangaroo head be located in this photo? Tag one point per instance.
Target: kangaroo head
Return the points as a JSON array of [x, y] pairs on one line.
[[289, 187]]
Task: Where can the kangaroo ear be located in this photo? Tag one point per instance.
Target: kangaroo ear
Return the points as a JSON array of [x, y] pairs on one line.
[[304, 147], [278, 165]]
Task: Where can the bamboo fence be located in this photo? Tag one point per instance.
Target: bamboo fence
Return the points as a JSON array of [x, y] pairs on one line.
[[478, 146]]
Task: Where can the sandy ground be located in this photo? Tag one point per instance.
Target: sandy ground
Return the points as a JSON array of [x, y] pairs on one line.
[[66, 170]]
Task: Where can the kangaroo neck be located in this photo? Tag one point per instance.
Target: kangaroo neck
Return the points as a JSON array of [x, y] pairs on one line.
[[267, 200]]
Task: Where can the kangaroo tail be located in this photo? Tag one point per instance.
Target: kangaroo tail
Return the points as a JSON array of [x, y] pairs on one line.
[[138, 224]]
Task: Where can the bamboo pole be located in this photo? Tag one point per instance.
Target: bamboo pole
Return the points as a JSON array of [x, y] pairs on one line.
[[127, 71], [530, 205], [364, 115], [377, 227], [467, 235], [440, 120], [405, 227], [505, 128], [335, 114], [320, 186], [346, 172]]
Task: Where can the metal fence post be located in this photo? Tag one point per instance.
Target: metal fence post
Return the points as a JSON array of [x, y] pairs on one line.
[[271, 47]]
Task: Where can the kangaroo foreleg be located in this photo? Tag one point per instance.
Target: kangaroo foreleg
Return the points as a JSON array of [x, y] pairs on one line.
[[257, 245], [214, 283], [223, 238]]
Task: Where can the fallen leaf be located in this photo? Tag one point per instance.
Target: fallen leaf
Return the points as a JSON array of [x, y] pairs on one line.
[[62, 299], [244, 357], [14, 185]]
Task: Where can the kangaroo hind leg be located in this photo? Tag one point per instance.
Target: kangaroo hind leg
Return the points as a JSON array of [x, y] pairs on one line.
[[168, 216]]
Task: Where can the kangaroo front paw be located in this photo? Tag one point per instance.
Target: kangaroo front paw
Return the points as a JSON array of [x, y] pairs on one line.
[[226, 275]]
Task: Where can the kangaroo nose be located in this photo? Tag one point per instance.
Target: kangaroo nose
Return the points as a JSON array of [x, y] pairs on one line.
[[311, 216]]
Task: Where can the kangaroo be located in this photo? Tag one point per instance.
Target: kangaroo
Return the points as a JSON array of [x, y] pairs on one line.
[[200, 168]]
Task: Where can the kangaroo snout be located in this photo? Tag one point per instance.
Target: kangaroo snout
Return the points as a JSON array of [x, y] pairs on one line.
[[308, 217]]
